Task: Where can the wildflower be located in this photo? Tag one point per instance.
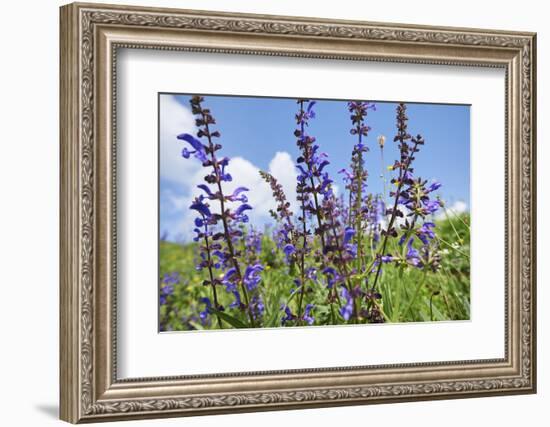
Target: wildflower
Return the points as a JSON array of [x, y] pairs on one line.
[[201, 207], [434, 186], [386, 259], [171, 278], [286, 234], [207, 309], [252, 276], [307, 316], [332, 276], [230, 279], [413, 256], [409, 192], [311, 163], [431, 255], [347, 310], [358, 182], [200, 149], [253, 245], [237, 196], [289, 249], [237, 303], [431, 206], [165, 292], [219, 228], [376, 209], [348, 234], [425, 232], [241, 209], [258, 307], [167, 287], [289, 316]]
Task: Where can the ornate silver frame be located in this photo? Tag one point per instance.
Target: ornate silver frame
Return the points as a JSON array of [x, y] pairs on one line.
[[90, 36]]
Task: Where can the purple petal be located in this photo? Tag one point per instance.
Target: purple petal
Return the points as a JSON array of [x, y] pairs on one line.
[[239, 190], [205, 188], [242, 208], [195, 143], [289, 249], [348, 234], [201, 208]]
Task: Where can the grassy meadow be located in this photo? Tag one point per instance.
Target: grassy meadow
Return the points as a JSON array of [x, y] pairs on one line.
[[409, 294]]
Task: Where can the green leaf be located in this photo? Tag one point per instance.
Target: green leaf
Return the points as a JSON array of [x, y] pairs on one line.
[[233, 321]]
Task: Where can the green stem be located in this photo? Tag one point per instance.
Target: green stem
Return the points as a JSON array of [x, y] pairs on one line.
[[452, 225], [381, 310], [214, 293], [456, 216], [434, 294], [416, 292], [453, 248]]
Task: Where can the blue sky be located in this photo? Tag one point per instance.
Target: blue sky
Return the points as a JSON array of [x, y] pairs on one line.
[[257, 133]]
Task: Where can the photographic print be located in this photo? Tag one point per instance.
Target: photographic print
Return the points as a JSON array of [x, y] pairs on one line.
[[278, 212], [272, 214]]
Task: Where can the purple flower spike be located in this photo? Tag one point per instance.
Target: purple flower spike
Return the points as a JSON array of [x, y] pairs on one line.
[[218, 234]]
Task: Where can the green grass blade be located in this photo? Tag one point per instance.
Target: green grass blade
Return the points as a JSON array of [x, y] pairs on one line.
[[231, 320]]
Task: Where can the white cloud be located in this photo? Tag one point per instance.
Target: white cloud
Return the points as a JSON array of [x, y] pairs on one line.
[[173, 201], [175, 119], [245, 174]]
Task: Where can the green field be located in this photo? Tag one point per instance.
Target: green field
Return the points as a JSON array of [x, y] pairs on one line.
[[408, 294]]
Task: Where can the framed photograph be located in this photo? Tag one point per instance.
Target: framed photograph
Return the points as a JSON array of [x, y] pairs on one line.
[[268, 212]]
